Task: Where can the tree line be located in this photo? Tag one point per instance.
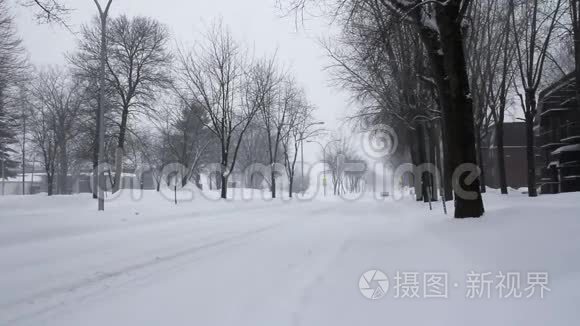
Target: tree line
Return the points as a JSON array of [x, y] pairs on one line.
[[211, 102], [444, 73]]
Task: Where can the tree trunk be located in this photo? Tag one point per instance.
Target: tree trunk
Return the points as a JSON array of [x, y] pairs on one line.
[[458, 109], [224, 187], [218, 181], [531, 156], [63, 168], [501, 157], [446, 167], [50, 182], [431, 138], [273, 185], [436, 58], [185, 175], [290, 186], [119, 154], [416, 160], [421, 138], [481, 163]]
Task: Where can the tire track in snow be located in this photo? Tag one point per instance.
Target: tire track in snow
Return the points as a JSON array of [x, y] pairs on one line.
[[44, 301]]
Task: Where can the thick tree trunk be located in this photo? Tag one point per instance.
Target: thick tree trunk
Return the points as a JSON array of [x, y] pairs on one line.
[[437, 63], [63, 169], [119, 154], [50, 183], [185, 175], [273, 185], [458, 110], [501, 157], [446, 167], [224, 187], [291, 186]]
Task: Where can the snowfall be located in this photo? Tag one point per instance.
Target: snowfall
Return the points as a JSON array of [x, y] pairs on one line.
[[251, 261]]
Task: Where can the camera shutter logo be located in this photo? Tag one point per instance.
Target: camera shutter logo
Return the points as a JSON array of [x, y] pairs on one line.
[[373, 284]]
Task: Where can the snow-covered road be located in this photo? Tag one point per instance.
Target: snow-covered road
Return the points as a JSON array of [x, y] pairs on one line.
[[279, 263]]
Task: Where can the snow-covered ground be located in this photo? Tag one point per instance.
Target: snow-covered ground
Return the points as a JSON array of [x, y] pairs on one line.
[[257, 262]]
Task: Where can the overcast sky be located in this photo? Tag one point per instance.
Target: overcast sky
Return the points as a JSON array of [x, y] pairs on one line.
[[257, 23]]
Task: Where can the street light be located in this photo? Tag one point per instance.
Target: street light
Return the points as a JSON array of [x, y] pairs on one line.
[[323, 159], [302, 151]]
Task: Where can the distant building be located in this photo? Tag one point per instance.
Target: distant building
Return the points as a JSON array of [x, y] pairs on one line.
[[557, 131], [79, 181], [515, 156]]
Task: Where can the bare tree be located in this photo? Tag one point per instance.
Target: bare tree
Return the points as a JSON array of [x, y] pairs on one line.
[[137, 67], [57, 100], [490, 61], [49, 11], [214, 74], [275, 97], [533, 26], [386, 70], [338, 154], [299, 131], [439, 24], [44, 139], [252, 151]]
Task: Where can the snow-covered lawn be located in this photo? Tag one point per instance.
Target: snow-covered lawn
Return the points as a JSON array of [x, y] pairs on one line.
[[256, 262]]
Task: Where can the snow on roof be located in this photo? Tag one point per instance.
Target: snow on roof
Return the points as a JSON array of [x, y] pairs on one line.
[[554, 110], [572, 177], [569, 148]]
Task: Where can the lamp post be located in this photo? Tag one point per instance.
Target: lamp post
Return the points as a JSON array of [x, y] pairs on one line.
[[23, 153], [103, 15], [323, 159], [302, 152]]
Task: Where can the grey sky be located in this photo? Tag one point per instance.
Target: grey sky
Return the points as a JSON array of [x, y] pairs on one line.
[[257, 23]]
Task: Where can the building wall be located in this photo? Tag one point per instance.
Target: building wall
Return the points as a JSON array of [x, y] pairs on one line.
[[515, 166], [515, 156]]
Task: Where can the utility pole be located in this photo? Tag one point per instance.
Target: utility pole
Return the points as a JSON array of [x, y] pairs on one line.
[[101, 117]]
